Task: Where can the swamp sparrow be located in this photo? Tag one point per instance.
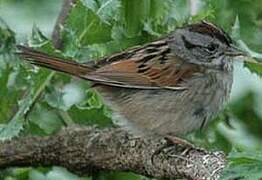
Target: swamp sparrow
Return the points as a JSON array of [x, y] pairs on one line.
[[169, 87]]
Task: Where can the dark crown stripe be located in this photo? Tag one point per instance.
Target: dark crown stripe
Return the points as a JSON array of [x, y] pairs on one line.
[[211, 30]]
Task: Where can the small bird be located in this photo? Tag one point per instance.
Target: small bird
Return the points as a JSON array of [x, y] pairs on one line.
[[170, 86]]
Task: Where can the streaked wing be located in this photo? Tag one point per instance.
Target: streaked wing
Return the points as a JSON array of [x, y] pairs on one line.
[[152, 66]]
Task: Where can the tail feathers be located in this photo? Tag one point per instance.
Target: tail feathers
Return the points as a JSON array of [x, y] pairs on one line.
[[44, 60]]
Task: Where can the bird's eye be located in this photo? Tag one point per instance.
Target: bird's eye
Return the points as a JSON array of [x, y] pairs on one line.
[[212, 47]]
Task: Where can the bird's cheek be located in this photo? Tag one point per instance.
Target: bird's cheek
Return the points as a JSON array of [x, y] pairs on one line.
[[225, 64]]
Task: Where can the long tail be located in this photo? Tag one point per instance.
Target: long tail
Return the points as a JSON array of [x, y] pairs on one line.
[[44, 60]]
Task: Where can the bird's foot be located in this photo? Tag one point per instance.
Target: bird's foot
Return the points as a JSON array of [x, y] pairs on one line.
[[172, 144], [174, 140]]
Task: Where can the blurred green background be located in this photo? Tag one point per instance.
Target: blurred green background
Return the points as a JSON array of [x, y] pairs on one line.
[[40, 102]]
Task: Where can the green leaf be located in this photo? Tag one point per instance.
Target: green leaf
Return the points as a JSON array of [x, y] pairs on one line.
[[106, 10], [54, 98], [159, 10], [180, 11], [36, 175], [47, 120], [254, 61], [235, 34], [13, 128], [15, 125], [17, 173], [244, 109], [92, 29], [255, 58], [243, 165], [95, 51], [254, 68], [134, 20], [119, 176], [64, 98], [39, 41], [7, 38], [60, 173], [7, 90], [91, 112], [38, 80], [53, 174]]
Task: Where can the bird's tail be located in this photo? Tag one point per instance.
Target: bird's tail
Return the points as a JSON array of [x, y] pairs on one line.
[[44, 60]]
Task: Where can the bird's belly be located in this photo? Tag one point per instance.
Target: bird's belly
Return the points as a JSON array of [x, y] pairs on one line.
[[165, 111]]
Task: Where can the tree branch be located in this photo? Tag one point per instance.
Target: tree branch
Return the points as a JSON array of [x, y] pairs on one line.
[[87, 150], [56, 35]]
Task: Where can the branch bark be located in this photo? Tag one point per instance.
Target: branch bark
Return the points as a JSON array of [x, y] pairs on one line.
[[87, 150], [56, 35]]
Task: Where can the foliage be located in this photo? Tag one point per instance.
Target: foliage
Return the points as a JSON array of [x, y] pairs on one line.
[[253, 67], [40, 102], [243, 165]]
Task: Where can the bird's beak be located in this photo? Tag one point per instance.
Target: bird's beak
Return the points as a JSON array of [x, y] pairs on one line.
[[234, 51], [237, 53]]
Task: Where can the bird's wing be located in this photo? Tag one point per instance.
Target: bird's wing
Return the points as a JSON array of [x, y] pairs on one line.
[[152, 66]]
